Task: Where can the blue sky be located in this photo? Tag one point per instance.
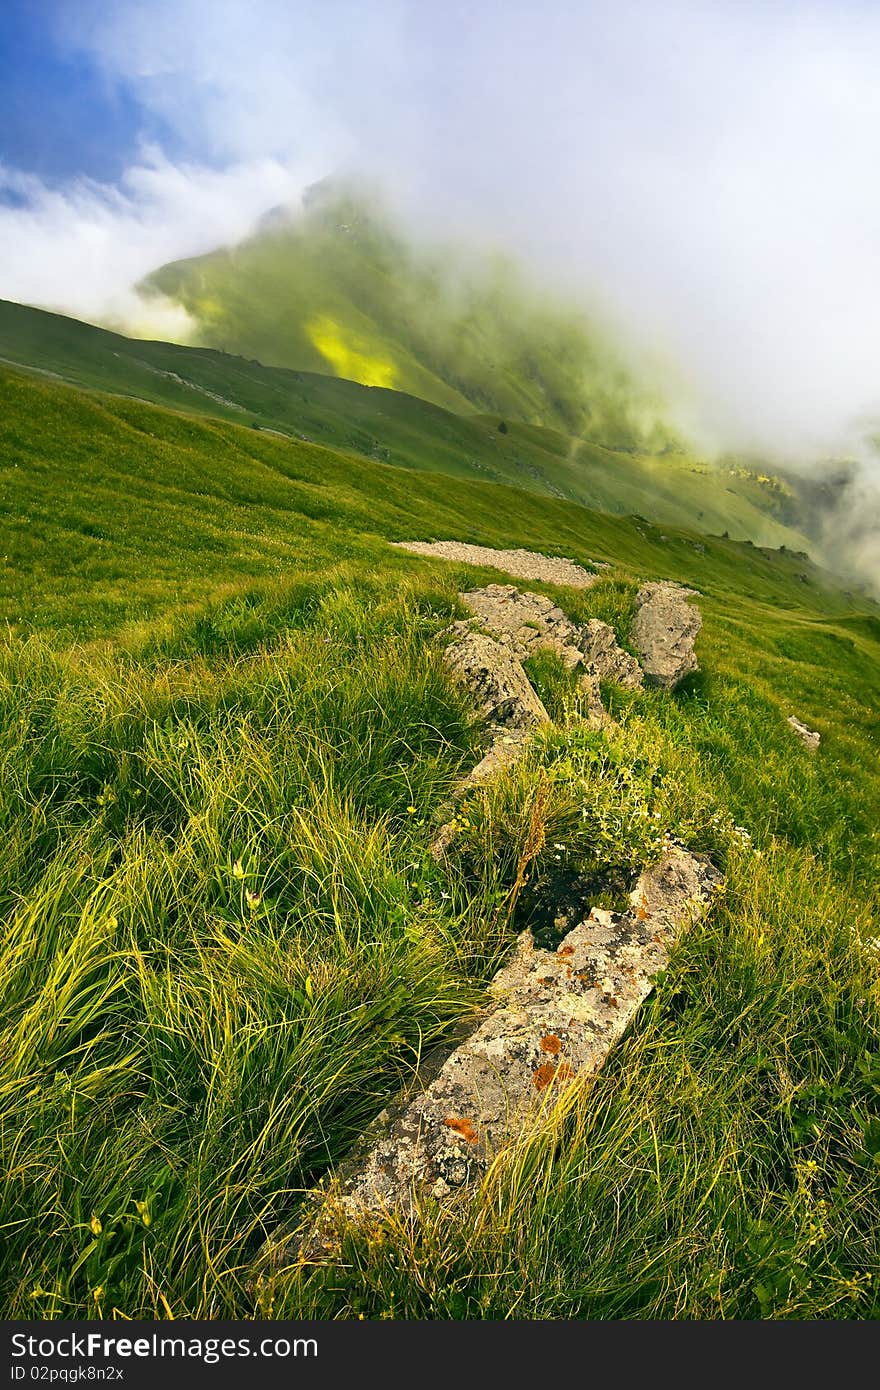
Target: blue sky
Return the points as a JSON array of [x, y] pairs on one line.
[[60, 115], [702, 173]]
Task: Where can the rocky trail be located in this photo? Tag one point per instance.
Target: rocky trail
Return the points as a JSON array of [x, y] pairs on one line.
[[522, 564], [552, 1017]]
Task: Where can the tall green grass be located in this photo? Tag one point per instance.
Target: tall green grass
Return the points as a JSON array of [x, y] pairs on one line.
[[226, 945], [222, 948]]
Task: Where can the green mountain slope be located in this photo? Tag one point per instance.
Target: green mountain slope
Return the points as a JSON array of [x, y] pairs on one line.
[[336, 288], [92, 477], [227, 739], [389, 426]]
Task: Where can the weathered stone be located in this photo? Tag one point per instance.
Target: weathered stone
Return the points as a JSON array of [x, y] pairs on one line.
[[486, 651], [597, 715], [556, 1015], [810, 737], [524, 564], [663, 633], [504, 696], [503, 692], [524, 622], [527, 622], [604, 659], [504, 749]]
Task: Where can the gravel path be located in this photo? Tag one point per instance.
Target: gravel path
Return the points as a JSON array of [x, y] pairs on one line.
[[523, 564]]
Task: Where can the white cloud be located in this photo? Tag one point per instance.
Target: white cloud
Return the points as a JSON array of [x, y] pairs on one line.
[[242, 79], [82, 248], [706, 172]]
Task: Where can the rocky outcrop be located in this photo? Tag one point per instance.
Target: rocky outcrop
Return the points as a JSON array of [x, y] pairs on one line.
[[526, 623], [523, 622], [501, 688], [664, 630], [810, 737], [603, 659], [554, 1018], [504, 696], [523, 564], [486, 653]]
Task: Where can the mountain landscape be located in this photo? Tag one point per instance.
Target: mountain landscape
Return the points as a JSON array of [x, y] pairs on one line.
[[361, 300], [230, 740], [338, 723], [389, 426]]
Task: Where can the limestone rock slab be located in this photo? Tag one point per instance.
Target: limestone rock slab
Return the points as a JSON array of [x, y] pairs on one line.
[[810, 737], [554, 1018], [502, 690], [664, 630]]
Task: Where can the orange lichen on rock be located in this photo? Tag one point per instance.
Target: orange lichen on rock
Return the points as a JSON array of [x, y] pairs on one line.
[[537, 1045], [464, 1128], [547, 1072]]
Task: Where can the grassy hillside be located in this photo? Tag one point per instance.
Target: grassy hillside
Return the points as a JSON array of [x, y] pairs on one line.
[[337, 288], [228, 738], [389, 426]]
